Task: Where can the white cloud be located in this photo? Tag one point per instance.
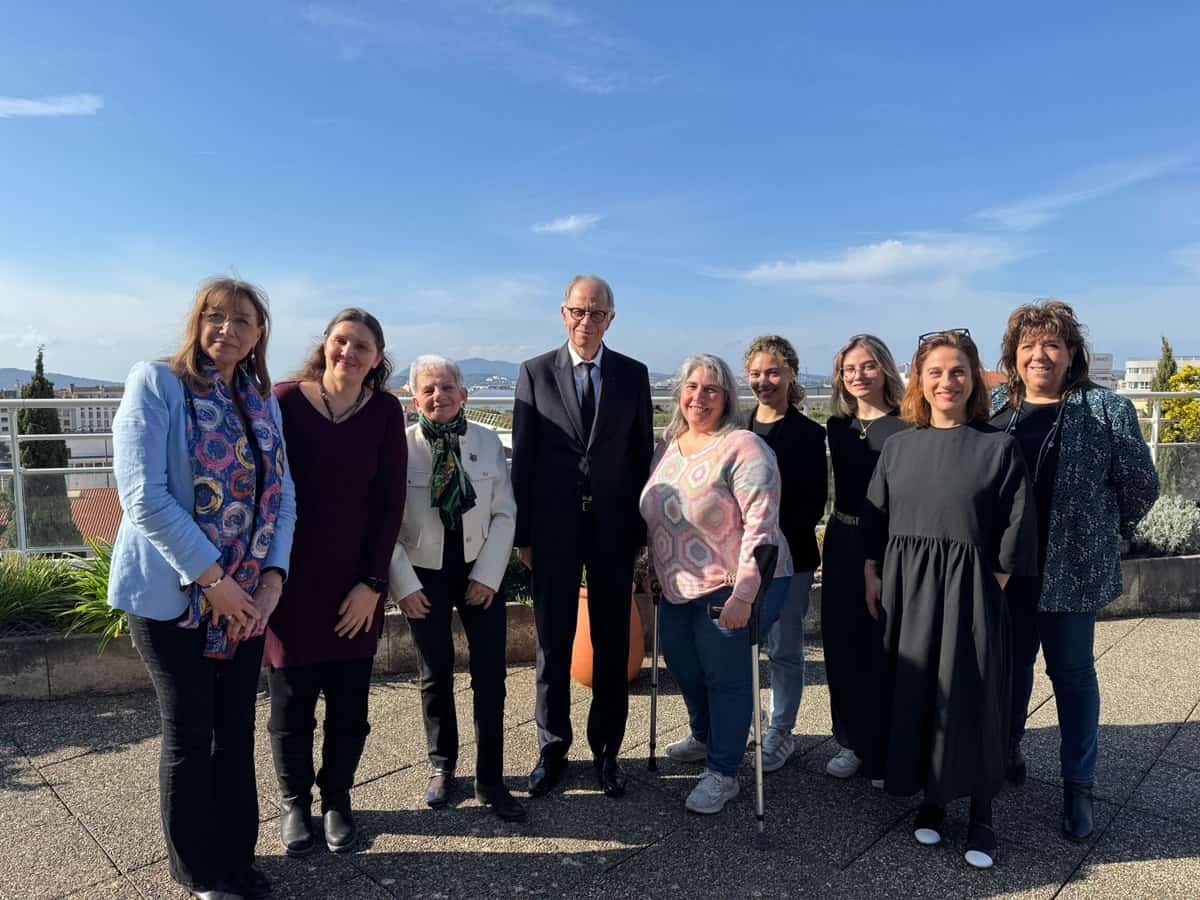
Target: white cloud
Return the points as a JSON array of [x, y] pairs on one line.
[[568, 224], [891, 259], [1038, 209], [69, 105], [550, 13]]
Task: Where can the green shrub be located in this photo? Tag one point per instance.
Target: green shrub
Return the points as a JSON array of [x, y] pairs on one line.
[[1171, 528], [91, 613], [34, 591]]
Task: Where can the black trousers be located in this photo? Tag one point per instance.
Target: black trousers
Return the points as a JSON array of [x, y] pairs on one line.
[[207, 793], [446, 589], [555, 583], [294, 691]]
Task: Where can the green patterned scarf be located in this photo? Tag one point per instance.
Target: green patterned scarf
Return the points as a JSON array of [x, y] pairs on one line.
[[450, 489]]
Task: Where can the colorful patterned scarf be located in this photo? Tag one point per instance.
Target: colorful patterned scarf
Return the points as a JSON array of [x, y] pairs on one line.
[[450, 490], [228, 470]]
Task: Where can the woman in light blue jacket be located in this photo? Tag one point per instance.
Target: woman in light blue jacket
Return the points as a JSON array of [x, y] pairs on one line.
[[198, 565]]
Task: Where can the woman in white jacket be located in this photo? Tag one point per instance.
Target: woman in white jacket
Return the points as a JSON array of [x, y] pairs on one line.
[[453, 548]]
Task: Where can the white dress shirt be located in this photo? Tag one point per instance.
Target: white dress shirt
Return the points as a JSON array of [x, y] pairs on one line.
[[576, 359]]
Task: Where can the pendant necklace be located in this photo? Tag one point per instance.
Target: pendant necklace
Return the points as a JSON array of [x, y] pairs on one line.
[[864, 426], [353, 408]]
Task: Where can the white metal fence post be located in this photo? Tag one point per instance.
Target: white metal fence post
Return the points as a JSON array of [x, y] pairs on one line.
[[18, 485]]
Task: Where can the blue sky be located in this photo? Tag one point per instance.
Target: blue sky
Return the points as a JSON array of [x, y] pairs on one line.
[[731, 168]]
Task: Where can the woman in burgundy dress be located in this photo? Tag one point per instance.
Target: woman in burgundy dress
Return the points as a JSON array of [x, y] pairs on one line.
[[348, 456]]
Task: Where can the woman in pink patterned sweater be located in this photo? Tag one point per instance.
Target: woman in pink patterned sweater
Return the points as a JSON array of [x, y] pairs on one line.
[[712, 497]]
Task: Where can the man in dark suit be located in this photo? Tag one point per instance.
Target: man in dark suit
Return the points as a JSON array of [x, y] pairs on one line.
[[582, 442]]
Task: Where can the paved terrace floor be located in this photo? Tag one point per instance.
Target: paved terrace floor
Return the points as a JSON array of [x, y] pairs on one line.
[[79, 806]]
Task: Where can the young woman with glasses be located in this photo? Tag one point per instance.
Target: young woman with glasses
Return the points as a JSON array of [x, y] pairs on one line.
[[866, 406]]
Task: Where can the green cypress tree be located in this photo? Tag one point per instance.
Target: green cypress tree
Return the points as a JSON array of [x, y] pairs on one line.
[[1166, 368], [48, 520]]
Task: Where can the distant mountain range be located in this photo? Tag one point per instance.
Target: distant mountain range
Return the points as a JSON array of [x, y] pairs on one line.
[[10, 378]]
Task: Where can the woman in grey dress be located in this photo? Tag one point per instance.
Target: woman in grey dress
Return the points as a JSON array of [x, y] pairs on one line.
[[948, 518]]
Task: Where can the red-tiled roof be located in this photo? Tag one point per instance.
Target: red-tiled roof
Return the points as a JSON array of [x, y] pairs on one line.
[[97, 513]]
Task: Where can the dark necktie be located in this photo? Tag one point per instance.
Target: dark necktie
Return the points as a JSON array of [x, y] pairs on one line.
[[587, 406]]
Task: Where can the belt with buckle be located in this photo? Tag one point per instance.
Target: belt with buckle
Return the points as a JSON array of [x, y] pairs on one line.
[[845, 519]]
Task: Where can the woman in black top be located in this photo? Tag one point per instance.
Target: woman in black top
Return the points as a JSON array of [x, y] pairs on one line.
[[866, 400], [1093, 481], [799, 445]]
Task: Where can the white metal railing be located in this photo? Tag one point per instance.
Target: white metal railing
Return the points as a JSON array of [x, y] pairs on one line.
[[11, 468]]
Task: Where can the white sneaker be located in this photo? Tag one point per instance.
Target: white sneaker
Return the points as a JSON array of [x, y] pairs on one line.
[[877, 783], [688, 750], [844, 765], [778, 748], [712, 793]]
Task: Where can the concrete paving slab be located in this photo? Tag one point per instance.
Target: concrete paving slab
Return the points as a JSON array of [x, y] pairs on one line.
[[1172, 792], [898, 867], [50, 859], [466, 851], [116, 889], [25, 799], [1140, 856], [1184, 748], [50, 732]]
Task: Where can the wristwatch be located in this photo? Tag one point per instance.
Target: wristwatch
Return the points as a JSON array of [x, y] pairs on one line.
[[378, 585]]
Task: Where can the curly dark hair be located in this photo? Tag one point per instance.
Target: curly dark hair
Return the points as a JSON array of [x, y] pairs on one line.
[[1047, 317]]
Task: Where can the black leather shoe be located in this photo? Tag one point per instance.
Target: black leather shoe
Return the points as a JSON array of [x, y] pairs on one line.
[[501, 802], [609, 777], [546, 775], [1017, 769], [253, 882], [1078, 822], [437, 792], [219, 891], [295, 827], [340, 830]]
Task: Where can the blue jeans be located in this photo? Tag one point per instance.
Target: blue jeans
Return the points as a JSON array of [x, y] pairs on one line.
[[712, 667], [785, 647], [1066, 640]]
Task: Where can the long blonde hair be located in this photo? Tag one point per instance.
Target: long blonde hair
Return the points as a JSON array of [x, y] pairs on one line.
[[185, 362], [846, 404]]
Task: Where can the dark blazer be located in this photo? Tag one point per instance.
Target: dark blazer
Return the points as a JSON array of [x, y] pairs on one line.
[[799, 445], [553, 460]]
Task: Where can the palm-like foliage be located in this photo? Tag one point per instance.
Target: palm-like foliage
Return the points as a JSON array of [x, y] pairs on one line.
[[34, 592], [91, 613]]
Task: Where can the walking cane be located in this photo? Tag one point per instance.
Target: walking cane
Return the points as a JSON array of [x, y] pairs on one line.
[[655, 598], [765, 556]]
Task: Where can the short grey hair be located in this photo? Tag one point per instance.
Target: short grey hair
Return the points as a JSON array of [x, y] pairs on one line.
[[432, 362], [608, 293], [718, 367]]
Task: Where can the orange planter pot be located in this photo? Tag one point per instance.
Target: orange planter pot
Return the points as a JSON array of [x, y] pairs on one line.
[[581, 652]]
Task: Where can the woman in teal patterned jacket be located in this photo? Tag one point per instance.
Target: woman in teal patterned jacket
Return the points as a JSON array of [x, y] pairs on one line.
[[1093, 480]]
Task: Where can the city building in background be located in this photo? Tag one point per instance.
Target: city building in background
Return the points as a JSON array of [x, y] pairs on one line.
[[1139, 373]]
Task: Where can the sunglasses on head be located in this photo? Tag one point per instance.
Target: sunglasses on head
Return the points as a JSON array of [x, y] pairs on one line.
[[930, 335]]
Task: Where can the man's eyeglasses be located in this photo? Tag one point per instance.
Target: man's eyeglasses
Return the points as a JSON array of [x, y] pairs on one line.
[[930, 335], [594, 315]]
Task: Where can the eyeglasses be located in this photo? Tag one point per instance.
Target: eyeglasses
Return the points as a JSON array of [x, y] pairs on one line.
[[866, 369], [930, 335], [214, 318], [594, 315]]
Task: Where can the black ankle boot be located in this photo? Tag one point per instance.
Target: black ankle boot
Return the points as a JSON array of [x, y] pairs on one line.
[[295, 827], [340, 830], [1077, 821]]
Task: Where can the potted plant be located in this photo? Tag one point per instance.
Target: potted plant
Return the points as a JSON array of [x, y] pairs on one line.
[[581, 652]]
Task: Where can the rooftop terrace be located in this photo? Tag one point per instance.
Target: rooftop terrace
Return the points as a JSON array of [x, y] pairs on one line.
[[79, 805]]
